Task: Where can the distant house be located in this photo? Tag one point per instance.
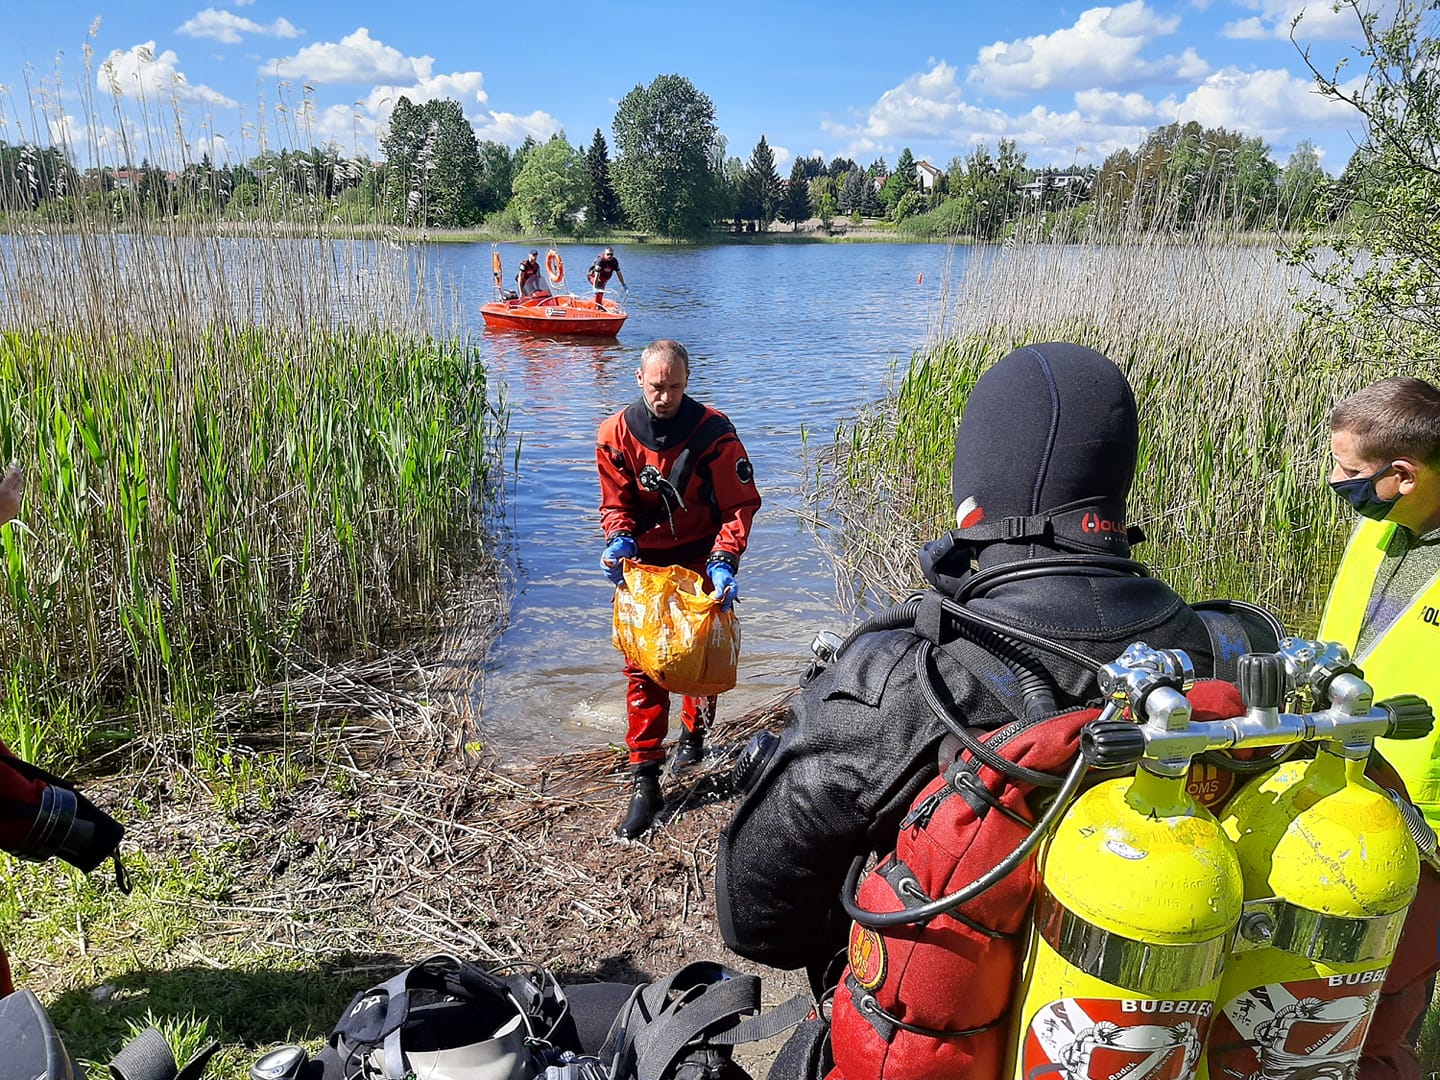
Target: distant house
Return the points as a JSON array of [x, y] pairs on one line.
[[126, 179], [926, 175], [1065, 183]]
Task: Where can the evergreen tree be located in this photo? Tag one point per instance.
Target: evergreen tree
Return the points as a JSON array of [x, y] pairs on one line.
[[796, 205], [761, 192], [605, 204], [904, 174], [852, 192]]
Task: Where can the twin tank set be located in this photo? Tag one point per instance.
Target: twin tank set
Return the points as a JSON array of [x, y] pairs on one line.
[[1172, 944]]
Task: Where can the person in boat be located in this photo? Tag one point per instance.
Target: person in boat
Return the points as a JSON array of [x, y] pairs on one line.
[[528, 279], [676, 488], [600, 271], [1044, 457], [41, 816], [1385, 443]]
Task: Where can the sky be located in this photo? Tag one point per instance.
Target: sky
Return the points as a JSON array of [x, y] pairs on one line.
[[1069, 83]]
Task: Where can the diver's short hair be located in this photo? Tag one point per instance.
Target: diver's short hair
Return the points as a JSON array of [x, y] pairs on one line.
[[666, 349], [1395, 417]]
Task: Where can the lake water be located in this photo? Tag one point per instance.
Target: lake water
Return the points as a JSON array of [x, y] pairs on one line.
[[789, 341]]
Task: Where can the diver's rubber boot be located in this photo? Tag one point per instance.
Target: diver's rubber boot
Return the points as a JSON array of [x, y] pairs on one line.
[[645, 804], [689, 749]]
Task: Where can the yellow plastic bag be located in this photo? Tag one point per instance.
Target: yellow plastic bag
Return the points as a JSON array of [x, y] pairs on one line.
[[668, 626]]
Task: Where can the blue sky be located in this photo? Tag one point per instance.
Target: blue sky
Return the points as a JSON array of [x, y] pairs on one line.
[[1069, 83]]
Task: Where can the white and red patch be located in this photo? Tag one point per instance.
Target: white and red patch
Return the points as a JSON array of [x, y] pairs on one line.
[[969, 513]]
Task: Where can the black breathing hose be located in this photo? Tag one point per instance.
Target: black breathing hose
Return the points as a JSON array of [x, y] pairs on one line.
[[944, 905]]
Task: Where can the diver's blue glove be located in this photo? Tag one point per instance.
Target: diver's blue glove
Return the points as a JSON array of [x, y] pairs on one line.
[[723, 578], [622, 547]]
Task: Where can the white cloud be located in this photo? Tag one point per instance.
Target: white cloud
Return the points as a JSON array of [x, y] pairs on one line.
[[355, 58], [227, 27], [1131, 108], [783, 160], [928, 113], [466, 87], [508, 128], [140, 73], [927, 104], [1251, 29], [1273, 104], [1278, 107], [1102, 49], [463, 86], [1319, 21], [350, 128]]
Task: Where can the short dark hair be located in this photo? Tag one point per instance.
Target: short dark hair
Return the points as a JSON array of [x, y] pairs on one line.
[[665, 349], [1395, 417]]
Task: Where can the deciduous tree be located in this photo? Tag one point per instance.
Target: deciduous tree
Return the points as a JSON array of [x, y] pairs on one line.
[[432, 164], [664, 174], [1381, 266], [497, 177], [552, 188], [1299, 187]]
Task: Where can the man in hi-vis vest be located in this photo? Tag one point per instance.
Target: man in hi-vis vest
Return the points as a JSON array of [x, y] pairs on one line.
[[1385, 608]]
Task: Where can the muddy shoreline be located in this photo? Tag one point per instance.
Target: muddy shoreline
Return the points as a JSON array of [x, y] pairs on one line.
[[395, 847]]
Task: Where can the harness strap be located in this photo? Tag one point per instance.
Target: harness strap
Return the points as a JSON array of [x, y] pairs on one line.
[[886, 1024], [704, 1002], [1228, 641]]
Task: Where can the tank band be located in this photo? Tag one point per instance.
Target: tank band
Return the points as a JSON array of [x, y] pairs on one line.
[[1141, 966], [1331, 939]]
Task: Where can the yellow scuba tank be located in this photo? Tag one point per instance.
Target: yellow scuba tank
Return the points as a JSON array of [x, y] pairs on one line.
[[1140, 895], [1329, 872]]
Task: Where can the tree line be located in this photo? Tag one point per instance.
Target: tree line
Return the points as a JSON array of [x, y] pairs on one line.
[[670, 176]]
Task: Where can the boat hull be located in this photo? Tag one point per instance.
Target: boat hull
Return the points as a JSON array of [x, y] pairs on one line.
[[569, 315]]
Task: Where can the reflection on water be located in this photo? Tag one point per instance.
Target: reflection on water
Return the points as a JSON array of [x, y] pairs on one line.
[[788, 341]]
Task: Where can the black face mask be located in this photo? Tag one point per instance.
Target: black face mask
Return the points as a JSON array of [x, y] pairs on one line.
[[1359, 492]]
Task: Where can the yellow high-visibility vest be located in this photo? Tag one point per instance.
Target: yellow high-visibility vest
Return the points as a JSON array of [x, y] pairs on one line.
[[1403, 659]]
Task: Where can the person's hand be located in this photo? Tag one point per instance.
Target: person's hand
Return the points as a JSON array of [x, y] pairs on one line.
[[726, 589], [622, 547], [12, 489]]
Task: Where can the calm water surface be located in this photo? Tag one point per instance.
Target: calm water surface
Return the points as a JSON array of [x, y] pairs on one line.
[[786, 340]]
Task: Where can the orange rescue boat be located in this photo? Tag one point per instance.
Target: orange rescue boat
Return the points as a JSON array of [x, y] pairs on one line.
[[545, 313]]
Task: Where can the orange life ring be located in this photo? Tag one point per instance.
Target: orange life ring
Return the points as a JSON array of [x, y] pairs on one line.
[[555, 266], [495, 267]]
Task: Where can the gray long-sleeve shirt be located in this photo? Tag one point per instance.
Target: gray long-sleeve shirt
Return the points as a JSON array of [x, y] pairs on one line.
[[1409, 564]]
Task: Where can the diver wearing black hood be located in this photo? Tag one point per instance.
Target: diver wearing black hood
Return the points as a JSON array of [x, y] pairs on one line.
[[1039, 561]]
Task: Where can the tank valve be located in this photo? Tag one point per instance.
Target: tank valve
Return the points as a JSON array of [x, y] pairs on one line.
[[1257, 927]]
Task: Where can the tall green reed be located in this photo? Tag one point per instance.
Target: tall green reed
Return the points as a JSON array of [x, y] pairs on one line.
[[1234, 395], [245, 455]]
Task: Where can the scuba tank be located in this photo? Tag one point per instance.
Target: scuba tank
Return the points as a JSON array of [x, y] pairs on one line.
[[1140, 892], [1329, 872], [1124, 976]]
